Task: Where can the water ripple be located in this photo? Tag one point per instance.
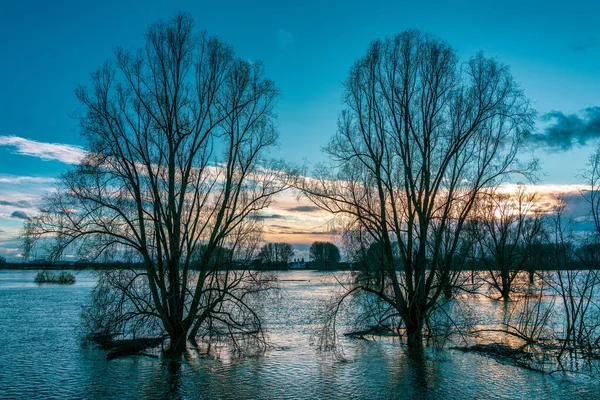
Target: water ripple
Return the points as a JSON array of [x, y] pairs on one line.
[[40, 357]]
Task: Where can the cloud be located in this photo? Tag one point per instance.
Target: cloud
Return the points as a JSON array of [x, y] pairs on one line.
[[46, 151], [284, 39], [20, 215], [15, 180], [280, 227], [22, 193], [10, 248], [18, 203], [333, 232], [583, 45], [286, 230], [566, 130], [307, 209], [272, 216]]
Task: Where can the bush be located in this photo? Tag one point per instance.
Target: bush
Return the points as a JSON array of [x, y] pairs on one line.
[[64, 278], [44, 277]]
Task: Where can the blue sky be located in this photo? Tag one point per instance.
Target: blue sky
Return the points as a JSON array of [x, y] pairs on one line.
[[307, 47]]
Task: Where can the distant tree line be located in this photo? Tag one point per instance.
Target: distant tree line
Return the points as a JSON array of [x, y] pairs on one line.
[[274, 256], [323, 256]]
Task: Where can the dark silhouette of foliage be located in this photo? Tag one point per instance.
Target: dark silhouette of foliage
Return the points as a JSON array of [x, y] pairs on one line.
[[275, 255], [324, 255]]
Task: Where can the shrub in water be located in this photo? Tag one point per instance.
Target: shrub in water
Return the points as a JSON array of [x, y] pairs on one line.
[[49, 277], [66, 278], [44, 277]]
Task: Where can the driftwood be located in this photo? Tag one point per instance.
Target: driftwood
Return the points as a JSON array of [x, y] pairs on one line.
[[504, 354], [128, 347], [101, 339], [378, 330]]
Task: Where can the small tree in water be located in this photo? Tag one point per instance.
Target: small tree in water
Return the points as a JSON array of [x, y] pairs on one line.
[[177, 134], [421, 136], [508, 227]]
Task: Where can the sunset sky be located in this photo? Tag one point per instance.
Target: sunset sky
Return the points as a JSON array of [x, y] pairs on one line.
[[553, 49]]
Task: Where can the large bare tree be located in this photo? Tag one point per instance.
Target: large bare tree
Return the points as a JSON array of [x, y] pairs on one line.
[[421, 136], [177, 132]]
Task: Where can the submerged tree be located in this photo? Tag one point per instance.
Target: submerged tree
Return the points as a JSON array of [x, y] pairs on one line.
[[576, 285], [576, 263], [508, 228], [177, 134], [421, 137]]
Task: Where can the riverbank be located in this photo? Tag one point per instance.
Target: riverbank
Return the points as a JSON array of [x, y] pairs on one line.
[[62, 267], [12, 266]]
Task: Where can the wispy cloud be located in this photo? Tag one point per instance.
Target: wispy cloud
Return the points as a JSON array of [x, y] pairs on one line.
[[18, 203], [584, 45], [304, 209], [565, 130], [269, 216], [46, 151], [20, 197], [16, 179], [284, 39], [23, 192], [10, 247], [286, 232]]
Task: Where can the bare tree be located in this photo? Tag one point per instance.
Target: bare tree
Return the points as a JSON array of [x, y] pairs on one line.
[[421, 137], [508, 226], [575, 285], [592, 176], [2, 258], [575, 261], [177, 133]]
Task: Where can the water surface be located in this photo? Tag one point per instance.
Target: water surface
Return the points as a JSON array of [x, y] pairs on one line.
[[41, 357]]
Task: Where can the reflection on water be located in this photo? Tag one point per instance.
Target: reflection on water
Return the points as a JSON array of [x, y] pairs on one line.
[[40, 357]]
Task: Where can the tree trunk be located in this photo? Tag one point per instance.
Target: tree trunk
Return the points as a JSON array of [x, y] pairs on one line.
[[506, 292], [177, 339], [531, 277], [414, 333], [505, 284], [447, 286]]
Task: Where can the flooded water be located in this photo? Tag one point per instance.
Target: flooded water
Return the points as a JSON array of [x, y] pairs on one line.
[[41, 357]]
